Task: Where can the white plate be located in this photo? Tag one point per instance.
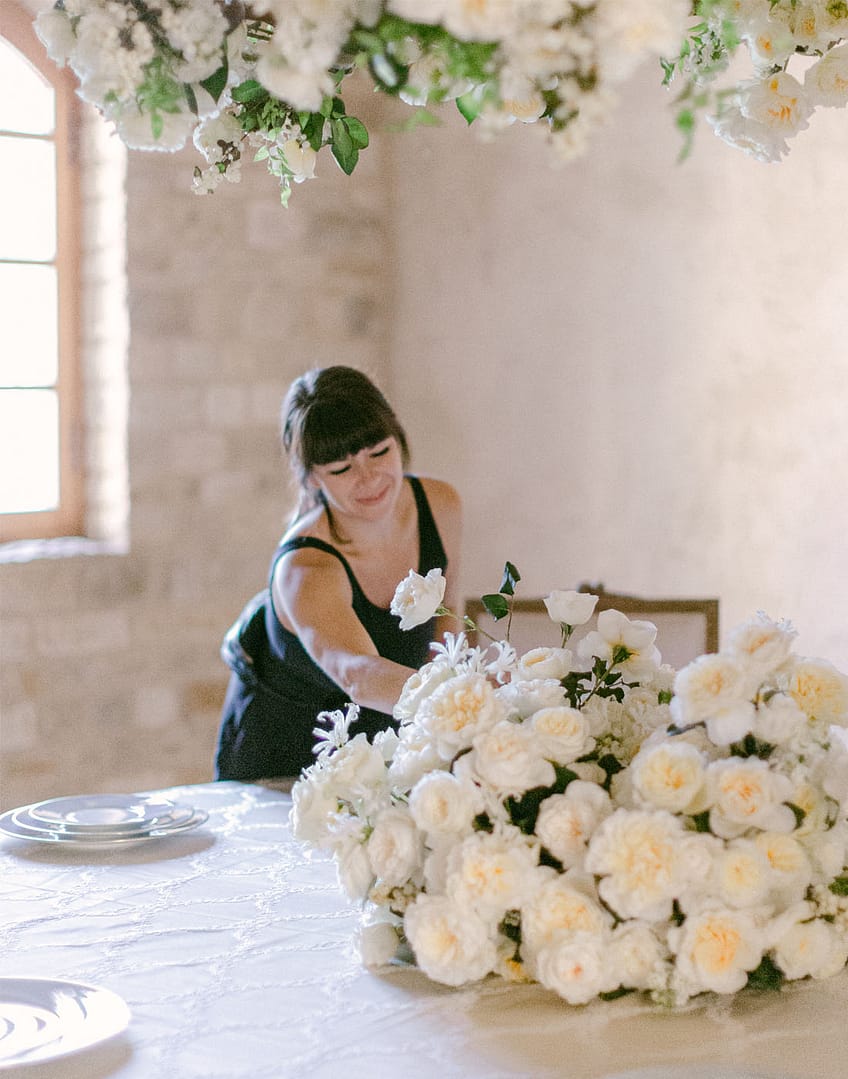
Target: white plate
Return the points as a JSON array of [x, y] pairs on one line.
[[107, 812], [9, 826], [26, 819], [41, 1019]]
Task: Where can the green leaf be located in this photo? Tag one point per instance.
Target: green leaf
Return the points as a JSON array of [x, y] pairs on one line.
[[157, 124], [357, 131], [511, 577], [701, 821], [800, 813], [496, 605], [249, 92], [191, 98], [261, 153], [839, 886], [312, 126], [767, 976], [469, 106], [344, 151], [214, 85]]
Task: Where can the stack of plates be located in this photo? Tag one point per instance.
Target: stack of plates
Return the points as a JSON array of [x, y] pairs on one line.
[[100, 819]]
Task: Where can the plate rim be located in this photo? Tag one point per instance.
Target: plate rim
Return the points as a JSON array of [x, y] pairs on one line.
[[8, 826], [52, 1049], [104, 799], [99, 832]]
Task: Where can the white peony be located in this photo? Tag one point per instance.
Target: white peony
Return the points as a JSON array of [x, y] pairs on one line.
[[522, 698], [451, 943], [505, 759], [570, 608], [417, 599]]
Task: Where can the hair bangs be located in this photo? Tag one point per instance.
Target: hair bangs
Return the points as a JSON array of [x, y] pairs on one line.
[[332, 434]]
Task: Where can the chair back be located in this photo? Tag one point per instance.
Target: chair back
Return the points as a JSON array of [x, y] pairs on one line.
[[686, 628]]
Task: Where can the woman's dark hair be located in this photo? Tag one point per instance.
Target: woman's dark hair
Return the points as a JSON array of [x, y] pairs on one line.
[[328, 414]]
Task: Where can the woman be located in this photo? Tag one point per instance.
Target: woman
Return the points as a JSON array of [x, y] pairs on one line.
[[360, 527]]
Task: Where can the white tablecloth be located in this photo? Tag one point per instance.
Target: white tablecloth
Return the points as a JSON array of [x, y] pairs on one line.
[[234, 950]]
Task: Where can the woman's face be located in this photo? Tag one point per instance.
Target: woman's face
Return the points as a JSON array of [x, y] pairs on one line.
[[365, 484]]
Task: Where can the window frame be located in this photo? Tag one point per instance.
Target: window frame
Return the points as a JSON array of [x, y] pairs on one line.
[[68, 519]]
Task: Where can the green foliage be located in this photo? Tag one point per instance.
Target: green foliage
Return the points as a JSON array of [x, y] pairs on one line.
[[496, 605], [752, 747], [767, 976], [839, 886]]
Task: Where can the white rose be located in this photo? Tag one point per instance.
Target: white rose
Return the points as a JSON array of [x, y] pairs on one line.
[[626, 643], [578, 970], [314, 804], [394, 846], [355, 767], [377, 941], [300, 159], [778, 102], [419, 686], [716, 948], [492, 873], [641, 857], [452, 945], [353, 868], [56, 33], [792, 873], [761, 643], [559, 909], [745, 793], [810, 949], [442, 804], [417, 598], [458, 710], [570, 608], [820, 690], [826, 82], [544, 663], [566, 822], [638, 956], [708, 686], [521, 699], [731, 724], [779, 720], [505, 758], [743, 874], [669, 775], [562, 734]]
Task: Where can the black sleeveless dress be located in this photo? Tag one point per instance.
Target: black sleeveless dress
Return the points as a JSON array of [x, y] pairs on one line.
[[260, 740]]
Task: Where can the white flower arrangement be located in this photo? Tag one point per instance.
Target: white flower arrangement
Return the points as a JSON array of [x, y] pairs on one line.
[[600, 826], [265, 78]]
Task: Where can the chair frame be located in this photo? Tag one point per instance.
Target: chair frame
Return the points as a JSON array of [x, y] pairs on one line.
[[632, 606]]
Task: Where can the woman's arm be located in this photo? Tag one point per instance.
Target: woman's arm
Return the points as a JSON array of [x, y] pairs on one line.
[[311, 590]]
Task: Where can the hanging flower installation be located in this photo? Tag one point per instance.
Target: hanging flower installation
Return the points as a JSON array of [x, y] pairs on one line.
[[266, 80]]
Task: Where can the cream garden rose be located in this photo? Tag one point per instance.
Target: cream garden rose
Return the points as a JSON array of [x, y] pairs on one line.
[[451, 943], [820, 691], [670, 775], [566, 822], [505, 759], [716, 948], [417, 599], [458, 710]]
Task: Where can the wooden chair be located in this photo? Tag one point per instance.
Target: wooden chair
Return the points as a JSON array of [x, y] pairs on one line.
[[686, 628]]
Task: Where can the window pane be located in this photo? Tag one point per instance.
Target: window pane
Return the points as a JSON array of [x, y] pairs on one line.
[[29, 442], [27, 101], [28, 315], [28, 206]]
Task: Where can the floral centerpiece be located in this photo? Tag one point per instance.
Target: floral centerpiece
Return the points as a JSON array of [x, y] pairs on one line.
[[265, 79], [590, 819]]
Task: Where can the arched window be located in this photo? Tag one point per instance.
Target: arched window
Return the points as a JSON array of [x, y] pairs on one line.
[[41, 452]]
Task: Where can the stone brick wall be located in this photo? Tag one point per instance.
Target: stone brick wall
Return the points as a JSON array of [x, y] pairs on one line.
[[111, 678]]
